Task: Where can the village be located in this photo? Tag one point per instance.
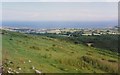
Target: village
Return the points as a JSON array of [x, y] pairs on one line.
[[81, 31]]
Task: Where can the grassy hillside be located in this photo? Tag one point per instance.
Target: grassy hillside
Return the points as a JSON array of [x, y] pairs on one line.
[[105, 41], [23, 52], [0, 50]]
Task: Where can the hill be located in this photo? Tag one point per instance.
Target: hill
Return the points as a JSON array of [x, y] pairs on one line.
[[25, 53]]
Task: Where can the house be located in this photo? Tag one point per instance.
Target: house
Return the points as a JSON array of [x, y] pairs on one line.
[[89, 44]]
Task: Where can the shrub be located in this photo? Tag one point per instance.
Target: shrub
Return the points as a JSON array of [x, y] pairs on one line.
[[35, 47], [10, 39], [112, 60], [53, 45]]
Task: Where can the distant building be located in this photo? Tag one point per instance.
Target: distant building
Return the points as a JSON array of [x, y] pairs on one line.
[[87, 34], [89, 44]]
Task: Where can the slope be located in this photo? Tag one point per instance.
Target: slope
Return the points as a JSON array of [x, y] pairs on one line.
[[26, 53]]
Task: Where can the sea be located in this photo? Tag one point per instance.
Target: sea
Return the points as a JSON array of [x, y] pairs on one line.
[[58, 24]]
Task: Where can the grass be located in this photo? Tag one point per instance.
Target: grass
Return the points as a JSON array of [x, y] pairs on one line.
[[0, 49], [50, 55]]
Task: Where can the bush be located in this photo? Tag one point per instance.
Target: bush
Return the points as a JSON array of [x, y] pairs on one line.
[[34, 47], [53, 45], [10, 39], [112, 60]]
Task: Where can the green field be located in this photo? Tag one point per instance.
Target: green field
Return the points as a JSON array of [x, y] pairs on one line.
[[50, 55], [0, 49]]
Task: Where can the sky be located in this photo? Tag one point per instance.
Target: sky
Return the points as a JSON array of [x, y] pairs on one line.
[[59, 11]]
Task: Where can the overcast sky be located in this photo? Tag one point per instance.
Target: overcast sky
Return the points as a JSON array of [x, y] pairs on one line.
[[62, 11]]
